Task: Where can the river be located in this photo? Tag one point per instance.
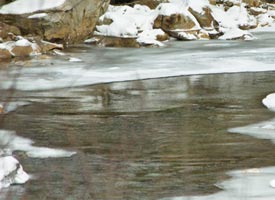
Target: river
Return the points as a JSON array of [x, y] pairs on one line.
[[164, 135]]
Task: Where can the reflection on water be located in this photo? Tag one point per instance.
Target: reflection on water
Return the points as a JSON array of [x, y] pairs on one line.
[[148, 139]]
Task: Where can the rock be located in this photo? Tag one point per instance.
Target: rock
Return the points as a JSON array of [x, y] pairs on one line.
[[4, 54], [257, 11], [45, 46], [22, 51], [109, 41], [68, 23], [151, 3], [174, 21], [184, 35], [20, 48], [252, 3], [1, 107], [152, 37], [6, 31], [205, 19]]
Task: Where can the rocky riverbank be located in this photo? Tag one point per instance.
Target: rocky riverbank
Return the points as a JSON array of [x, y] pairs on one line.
[[41, 27]]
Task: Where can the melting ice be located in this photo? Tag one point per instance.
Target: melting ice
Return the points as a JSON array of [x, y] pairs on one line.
[[11, 171]]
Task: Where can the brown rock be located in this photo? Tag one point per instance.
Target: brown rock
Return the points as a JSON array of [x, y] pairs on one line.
[[163, 37], [256, 11], [109, 41], [45, 46], [22, 51], [151, 3], [252, 3], [5, 54], [184, 35], [206, 20], [174, 21], [6, 31], [70, 23], [1, 109]]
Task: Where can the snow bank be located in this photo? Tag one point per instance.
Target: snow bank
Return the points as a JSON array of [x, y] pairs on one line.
[[126, 21], [236, 33], [29, 6]]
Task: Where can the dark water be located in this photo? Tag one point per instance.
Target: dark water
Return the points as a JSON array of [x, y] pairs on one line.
[[142, 139]]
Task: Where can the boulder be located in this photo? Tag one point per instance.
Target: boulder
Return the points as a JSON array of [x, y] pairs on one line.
[[174, 21], [110, 41], [67, 23], [151, 3], [7, 31], [252, 3], [4, 54], [205, 19]]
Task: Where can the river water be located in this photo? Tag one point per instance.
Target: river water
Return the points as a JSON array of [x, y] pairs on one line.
[[142, 139]]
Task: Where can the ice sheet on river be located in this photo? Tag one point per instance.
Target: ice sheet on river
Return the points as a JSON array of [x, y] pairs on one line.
[[262, 130], [9, 141], [11, 171], [109, 65], [253, 184]]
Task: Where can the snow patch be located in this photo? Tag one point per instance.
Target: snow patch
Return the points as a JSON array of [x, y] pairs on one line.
[[11, 172], [29, 6], [38, 15], [269, 101], [11, 142], [244, 184]]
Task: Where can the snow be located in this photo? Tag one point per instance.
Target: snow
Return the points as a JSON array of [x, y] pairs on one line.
[[150, 37], [127, 21], [38, 15], [11, 172], [269, 101], [198, 5], [236, 33], [243, 184], [262, 130], [12, 106], [168, 9], [9, 140], [75, 60], [188, 36], [29, 6], [23, 43]]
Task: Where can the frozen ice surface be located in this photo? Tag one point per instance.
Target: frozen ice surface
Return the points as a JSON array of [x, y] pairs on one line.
[[11, 142], [194, 58], [252, 184]]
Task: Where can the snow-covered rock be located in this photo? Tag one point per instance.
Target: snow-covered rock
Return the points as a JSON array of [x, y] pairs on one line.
[[64, 21], [20, 48], [11, 172]]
